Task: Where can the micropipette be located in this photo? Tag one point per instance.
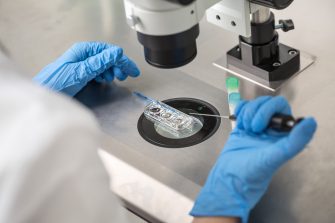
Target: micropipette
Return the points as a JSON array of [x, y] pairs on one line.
[[279, 122]]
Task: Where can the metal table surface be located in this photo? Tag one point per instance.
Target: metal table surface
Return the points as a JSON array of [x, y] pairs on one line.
[[163, 182]]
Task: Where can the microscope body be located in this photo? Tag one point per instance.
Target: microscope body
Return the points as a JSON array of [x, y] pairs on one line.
[[168, 30]]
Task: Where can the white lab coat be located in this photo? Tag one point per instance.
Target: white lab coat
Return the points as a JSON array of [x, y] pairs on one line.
[[49, 168]]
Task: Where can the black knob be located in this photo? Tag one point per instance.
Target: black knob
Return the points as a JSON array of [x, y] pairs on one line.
[[282, 123], [285, 25]]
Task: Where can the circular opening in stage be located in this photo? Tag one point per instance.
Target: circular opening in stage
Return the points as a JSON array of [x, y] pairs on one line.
[[157, 135]]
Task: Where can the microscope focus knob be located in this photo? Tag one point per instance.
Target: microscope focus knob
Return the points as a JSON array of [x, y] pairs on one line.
[[285, 25]]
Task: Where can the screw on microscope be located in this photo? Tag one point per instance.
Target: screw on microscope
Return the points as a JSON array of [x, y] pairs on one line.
[[292, 52], [279, 26], [285, 25], [276, 64]]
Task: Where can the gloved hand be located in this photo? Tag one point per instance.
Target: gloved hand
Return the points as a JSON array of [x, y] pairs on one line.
[[249, 159], [84, 62]]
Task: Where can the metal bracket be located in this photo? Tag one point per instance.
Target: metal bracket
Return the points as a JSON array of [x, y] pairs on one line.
[[232, 15]]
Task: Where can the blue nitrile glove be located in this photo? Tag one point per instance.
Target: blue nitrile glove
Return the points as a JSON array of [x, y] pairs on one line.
[[249, 159], [84, 62]]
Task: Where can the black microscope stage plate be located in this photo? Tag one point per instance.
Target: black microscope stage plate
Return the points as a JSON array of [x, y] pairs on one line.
[[210, 125]]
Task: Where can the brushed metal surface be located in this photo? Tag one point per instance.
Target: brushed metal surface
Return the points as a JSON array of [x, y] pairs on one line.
[[34, 32], [118, 112], [306, 61]]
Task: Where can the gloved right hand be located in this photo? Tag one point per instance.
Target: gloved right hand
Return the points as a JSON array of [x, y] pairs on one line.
[[84, 62], [249, 159]]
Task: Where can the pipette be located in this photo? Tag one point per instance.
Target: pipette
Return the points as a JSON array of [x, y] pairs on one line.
[[279, 122]]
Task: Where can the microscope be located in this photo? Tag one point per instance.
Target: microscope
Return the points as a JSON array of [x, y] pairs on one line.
[[168, 30]]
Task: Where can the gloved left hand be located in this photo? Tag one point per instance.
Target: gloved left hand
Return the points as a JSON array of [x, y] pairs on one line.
[[252, 154], [84, 62]]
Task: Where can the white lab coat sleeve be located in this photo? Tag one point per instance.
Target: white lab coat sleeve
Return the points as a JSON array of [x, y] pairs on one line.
[[50, 171]]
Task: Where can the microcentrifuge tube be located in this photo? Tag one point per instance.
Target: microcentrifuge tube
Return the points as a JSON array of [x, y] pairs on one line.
[[232, 85], [233, 100]]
